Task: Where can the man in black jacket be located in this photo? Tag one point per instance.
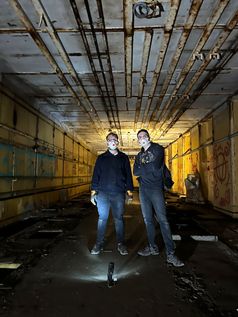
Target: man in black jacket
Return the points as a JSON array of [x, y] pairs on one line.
[[148, 167], [111, 181]]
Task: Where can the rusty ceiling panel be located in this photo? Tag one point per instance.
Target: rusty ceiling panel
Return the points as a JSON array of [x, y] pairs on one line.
[[93, 66]]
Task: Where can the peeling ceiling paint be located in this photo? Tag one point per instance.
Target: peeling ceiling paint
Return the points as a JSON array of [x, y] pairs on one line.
[[93, 66]]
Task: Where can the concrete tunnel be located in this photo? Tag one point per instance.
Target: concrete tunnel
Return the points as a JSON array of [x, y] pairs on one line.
[[71, 71]]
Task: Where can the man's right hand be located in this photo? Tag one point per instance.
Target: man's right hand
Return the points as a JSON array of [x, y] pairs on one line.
[[93, 198]]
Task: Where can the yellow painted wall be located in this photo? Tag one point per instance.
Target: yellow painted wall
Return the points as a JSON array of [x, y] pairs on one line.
[[39, 163], [222, 160], [206, 162], [214, 155], [173, 166], [234, 154]]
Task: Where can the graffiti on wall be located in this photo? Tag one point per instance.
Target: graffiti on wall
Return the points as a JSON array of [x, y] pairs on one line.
[[222, 177]]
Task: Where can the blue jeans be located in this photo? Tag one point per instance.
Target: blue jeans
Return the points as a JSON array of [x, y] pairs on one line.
[[115, 201], [154, 199]]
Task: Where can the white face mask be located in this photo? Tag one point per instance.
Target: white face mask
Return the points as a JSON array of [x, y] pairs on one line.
[[112, 145], [144, 142]]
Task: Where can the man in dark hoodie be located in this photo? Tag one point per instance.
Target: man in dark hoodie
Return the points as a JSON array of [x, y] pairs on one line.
[[111, 181], [148, 167]]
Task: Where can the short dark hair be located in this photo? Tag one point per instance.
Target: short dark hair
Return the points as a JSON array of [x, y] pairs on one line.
[[112, 133], [143, 130]]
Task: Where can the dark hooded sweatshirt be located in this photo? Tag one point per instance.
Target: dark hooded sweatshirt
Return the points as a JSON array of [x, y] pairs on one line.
[[148, 165], [112, 173]]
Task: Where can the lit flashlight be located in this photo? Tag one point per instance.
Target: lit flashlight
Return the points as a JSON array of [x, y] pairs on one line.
[[110, 280]]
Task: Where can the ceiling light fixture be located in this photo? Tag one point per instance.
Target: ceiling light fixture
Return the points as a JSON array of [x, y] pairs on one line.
[[148, 10]]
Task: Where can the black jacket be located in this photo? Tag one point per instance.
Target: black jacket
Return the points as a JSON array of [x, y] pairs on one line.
[[148, 165], [112, 173]]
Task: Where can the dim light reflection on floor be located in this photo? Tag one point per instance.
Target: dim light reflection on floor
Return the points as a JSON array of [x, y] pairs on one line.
[[96, 269]]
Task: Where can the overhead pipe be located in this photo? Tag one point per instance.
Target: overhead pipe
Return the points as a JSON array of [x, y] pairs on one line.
[[89, 54], [160, 60], [99, 59], [128, 25], [201, 87], [63, 53], [232, 51], [192, 15], [101, 15], [42, 46], [144, 66], [198, 47]]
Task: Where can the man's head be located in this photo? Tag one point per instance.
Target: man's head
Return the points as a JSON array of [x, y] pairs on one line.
[[112, 141], [143, 137]]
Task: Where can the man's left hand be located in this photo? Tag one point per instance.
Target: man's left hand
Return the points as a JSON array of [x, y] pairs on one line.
[[129, 197]]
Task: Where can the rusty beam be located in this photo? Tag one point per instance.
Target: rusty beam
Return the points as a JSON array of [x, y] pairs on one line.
[[200, 44], [180, 106], [89, 54], [128, 24], [44, 49], [144, 66], [192, 15], [101, 15], [164, 45]]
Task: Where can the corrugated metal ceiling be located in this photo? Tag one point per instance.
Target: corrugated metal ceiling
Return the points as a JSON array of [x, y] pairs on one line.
[[93, 66]]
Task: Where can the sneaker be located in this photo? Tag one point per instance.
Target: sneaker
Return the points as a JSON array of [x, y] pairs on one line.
[[172, 259], [96, 249], [122, 249], [149, 250]]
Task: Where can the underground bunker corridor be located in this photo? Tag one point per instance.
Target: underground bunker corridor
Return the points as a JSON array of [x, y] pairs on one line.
[[51, 272], [79, 80]]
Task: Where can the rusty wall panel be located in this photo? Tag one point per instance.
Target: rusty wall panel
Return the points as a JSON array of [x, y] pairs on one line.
[[235, 174], [68, 147], [207, 172], [168, 153], [6, 160], [4, 134], [45, 131], [58, 139], [32, 157], [180, 166], [221, 123], [195, 161], [6, 111], [21, 140], [206, 160], [85, 156], [222, 175], [81, 151], [6, 171], [194, 134], [234, 156], [75, 151], [59, 167], [195, 157], [25, 121], [206, 131], [180, 175], [68, 169], [234, 111], [174, 171], [187, 166], [174, 167], [46, 165]]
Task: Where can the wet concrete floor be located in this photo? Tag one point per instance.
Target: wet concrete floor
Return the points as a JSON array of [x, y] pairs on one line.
[[57, 275]]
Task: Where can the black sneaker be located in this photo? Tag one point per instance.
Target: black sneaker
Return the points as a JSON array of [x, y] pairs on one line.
[[96, 249], [149, 250], [122, 249]]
